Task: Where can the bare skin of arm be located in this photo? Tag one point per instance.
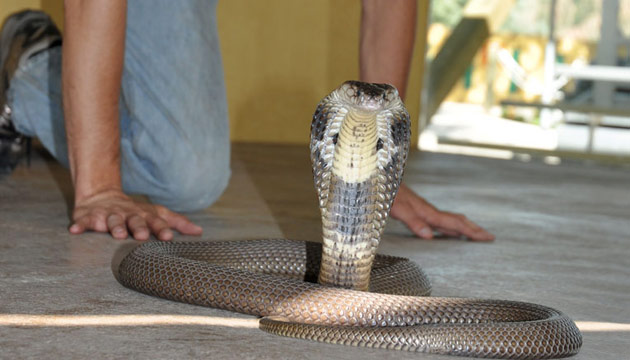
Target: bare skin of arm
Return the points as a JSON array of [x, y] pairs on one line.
[[387, 38], [92, 66]]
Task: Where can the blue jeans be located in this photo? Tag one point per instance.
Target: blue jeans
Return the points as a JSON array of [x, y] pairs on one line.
[[173, 113]]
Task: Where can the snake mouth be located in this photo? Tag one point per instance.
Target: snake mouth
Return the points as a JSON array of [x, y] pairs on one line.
[[370, 103]]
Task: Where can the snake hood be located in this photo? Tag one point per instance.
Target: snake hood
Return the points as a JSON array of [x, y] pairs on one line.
[[359, 143]]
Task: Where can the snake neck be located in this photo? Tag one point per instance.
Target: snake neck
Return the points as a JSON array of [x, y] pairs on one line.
[[350, 237]]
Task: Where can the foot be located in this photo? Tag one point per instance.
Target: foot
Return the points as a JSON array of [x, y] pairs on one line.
[[23, 35]]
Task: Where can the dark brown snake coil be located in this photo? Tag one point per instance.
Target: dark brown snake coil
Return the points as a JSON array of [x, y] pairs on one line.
[[275, 279]]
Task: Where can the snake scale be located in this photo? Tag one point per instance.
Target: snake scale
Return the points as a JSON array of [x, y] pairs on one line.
[[359, 144]]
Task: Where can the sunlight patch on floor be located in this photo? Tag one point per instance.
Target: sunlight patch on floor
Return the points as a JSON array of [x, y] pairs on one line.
[[28, 320], [596, 326], [429, 142]]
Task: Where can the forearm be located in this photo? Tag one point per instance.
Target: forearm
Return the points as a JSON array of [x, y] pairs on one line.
[[387, 39], [91, 76]]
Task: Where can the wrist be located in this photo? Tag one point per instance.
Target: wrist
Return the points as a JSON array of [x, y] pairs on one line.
[[94, 165], [91, 182], [83, 198]]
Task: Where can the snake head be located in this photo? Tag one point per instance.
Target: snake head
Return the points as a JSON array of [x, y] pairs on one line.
[[368, 96]]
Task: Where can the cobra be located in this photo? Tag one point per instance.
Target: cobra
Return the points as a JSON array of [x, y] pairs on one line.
[[359, 144]]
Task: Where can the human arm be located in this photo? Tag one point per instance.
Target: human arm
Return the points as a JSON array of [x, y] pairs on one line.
[[91, 79], [387, 37], [388, 30]]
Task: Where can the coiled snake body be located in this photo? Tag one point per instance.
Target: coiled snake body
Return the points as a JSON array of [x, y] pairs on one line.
[[359, 144]]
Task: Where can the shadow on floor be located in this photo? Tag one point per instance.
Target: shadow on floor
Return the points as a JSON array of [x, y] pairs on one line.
[[285, 182]]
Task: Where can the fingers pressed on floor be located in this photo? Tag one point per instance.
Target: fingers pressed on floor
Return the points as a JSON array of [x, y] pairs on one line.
[[138, 227], [420, 228], [447, 232], [447, 222], [472, 225], [98, 222], [473, 231], [116, 225], [182, 224], [80, 225], [174, 219], [159, 227], [481, 235]]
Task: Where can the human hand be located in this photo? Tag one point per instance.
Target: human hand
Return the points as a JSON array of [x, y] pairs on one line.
[[422, 218], [114, 212]]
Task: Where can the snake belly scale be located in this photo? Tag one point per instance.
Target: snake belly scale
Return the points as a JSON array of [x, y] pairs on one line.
[[359, 144]]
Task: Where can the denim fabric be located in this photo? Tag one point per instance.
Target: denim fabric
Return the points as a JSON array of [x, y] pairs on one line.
[[173, 113]]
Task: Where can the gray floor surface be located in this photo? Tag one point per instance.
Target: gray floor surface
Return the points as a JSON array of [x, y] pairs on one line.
[[563, 240]]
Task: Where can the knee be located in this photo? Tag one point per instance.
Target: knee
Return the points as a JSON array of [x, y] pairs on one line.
[[194, 184]]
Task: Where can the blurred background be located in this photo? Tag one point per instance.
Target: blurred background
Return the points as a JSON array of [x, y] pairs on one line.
[[515, 78], [498, 78]]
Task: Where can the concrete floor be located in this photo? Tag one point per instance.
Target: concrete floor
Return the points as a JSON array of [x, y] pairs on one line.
[[563, 240]]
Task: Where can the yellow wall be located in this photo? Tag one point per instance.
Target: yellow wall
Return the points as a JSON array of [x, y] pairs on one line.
[[53, 7], [281, 57], [11, 6]]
